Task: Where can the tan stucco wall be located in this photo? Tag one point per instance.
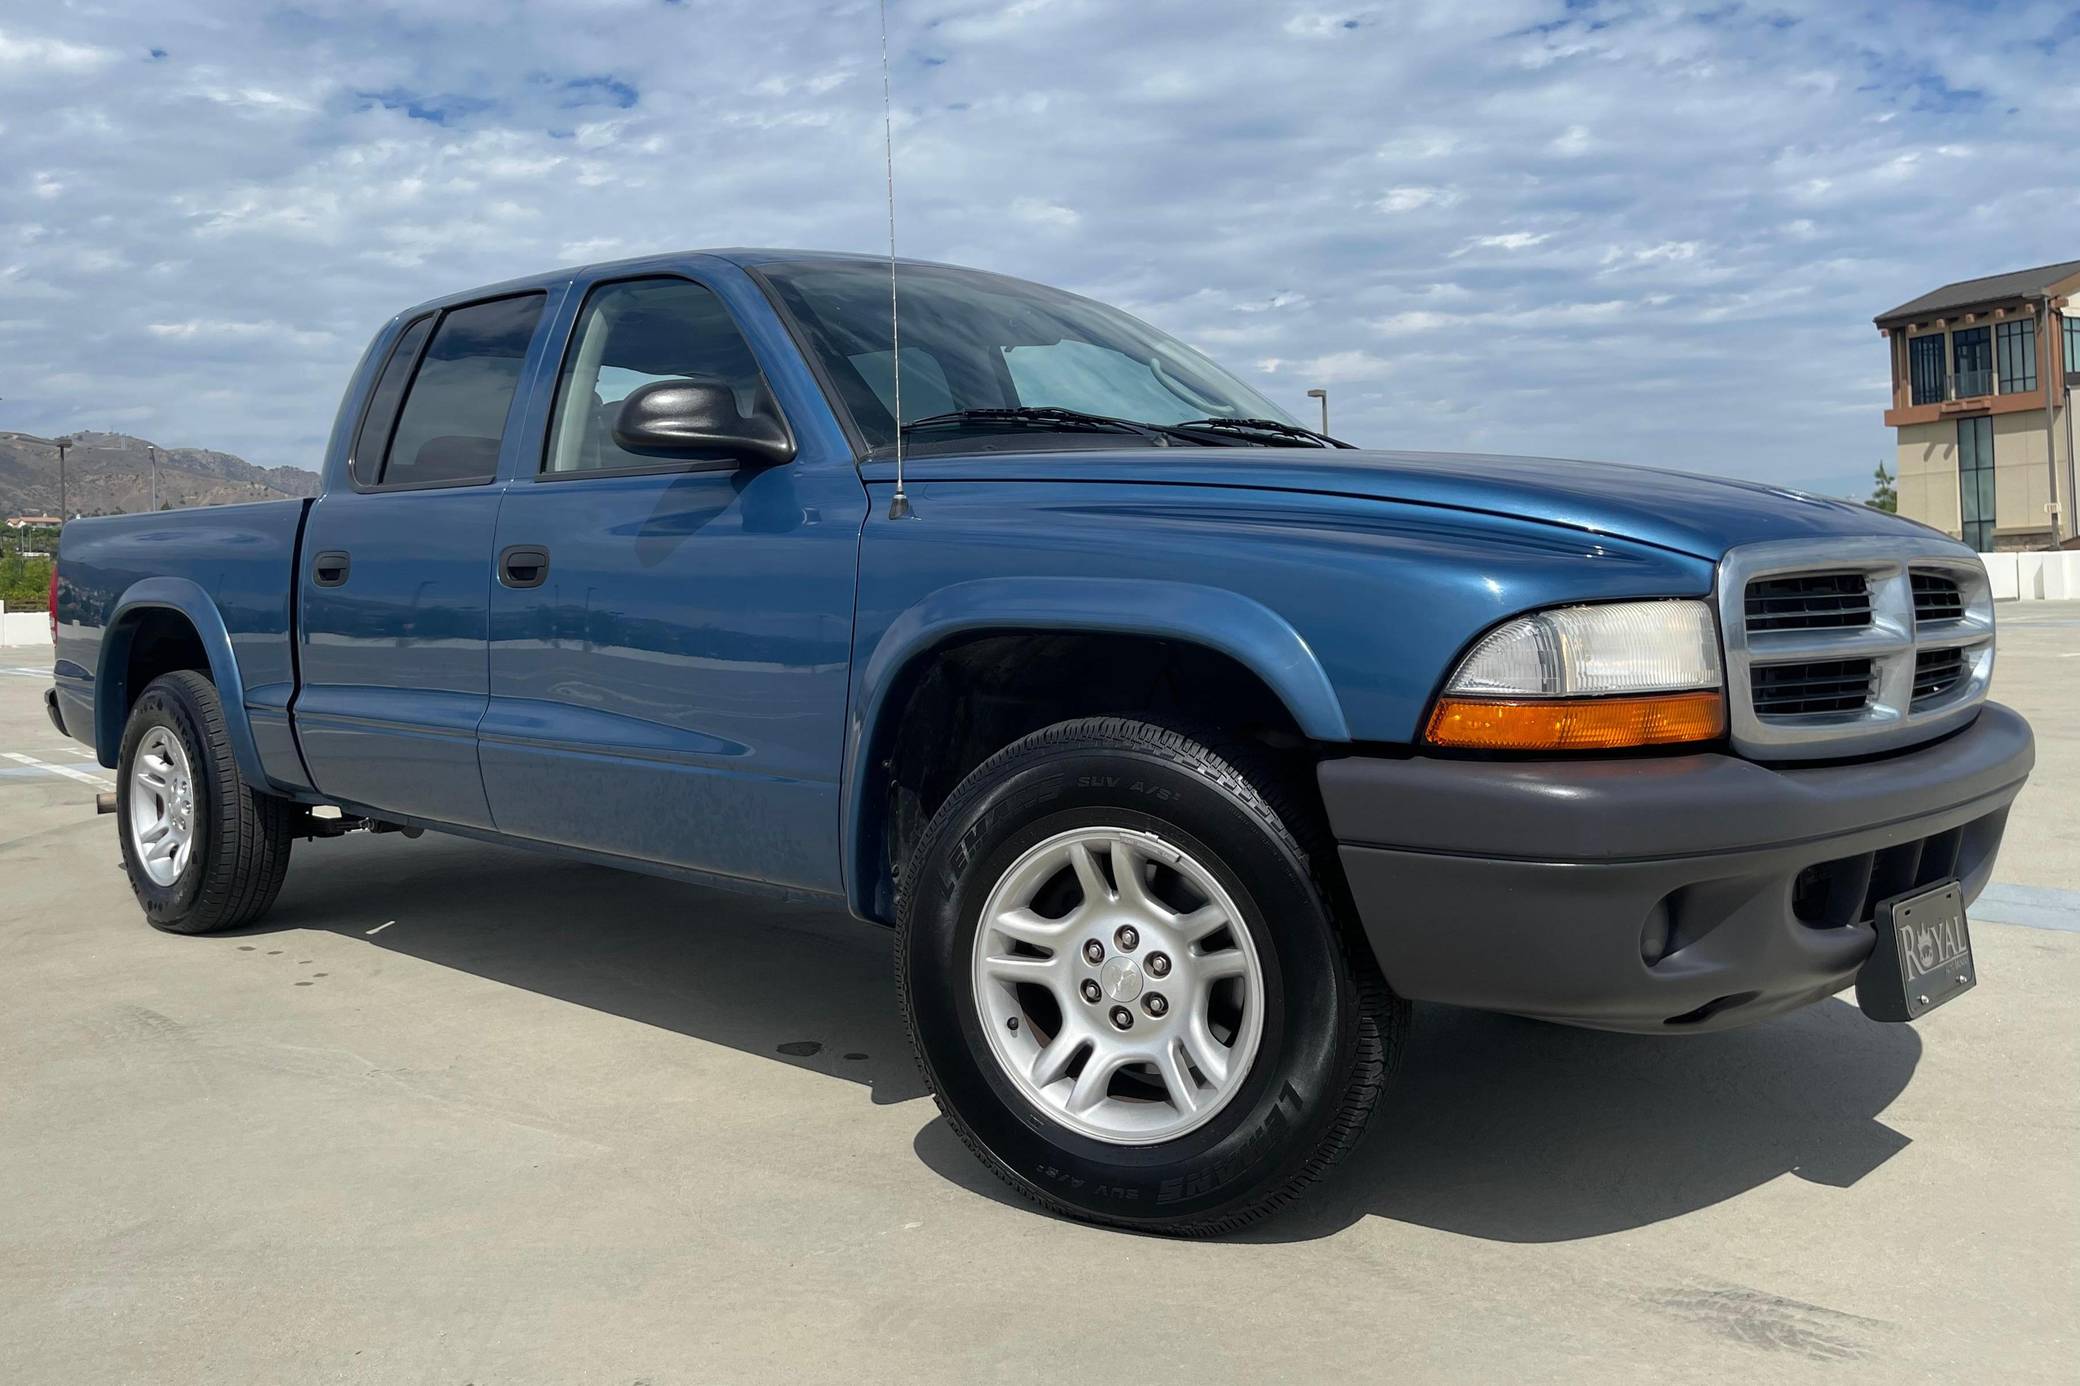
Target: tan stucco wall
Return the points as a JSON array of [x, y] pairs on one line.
[[1927, 471], [2021, 474]]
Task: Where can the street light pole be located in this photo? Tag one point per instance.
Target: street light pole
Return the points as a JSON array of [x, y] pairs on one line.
[[1323, 396], [64, 511], [153, 454]]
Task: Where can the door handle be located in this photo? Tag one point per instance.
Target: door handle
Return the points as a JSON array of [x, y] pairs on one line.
[[330, 569], [523, 565]]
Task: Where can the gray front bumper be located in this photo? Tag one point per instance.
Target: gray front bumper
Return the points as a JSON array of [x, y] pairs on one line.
[[1657, 893]]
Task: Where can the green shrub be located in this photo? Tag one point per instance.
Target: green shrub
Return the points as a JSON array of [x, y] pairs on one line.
[[25, 583]]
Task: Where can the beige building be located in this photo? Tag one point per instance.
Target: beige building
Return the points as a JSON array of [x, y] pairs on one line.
[[1984, 373]]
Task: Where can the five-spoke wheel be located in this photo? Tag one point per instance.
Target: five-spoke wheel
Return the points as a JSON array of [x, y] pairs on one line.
[[162, 806], [1118, 984]]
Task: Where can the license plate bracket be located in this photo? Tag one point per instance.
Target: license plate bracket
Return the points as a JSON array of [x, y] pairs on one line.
[[1923, 957]]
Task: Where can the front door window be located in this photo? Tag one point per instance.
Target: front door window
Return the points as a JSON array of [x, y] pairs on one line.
[[632, 334]]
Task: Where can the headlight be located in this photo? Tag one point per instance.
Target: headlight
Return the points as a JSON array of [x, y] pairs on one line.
[[1579, 678]]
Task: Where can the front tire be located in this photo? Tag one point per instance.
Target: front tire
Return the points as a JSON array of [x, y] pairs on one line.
[[204, 850], [1127, 986]]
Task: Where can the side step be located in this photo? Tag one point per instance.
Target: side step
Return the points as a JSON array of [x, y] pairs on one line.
[[324, 821], [327, 821]]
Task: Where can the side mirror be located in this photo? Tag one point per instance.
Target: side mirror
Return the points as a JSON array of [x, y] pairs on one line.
[[680, 418]]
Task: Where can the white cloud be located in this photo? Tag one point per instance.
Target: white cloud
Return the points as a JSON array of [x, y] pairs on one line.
[[218, 329], [1320, 25], [1038, 211], [1343, 367], [1413, 197], [1506, 240], [1274, 303], [984, 22], [1416, 320], [1463, 213], [1663, 253], [1416, 145], [33, 55]]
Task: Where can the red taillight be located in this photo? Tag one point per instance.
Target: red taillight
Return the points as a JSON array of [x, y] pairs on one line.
[[54, 601]]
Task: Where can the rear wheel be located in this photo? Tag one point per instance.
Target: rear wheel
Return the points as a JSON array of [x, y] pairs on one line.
[[204, 850], [1127, 988]]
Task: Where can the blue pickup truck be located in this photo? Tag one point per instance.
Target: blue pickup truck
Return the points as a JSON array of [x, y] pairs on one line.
[[1181, 745]]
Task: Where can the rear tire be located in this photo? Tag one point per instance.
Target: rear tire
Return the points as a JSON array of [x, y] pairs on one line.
[[1214, 1105], [177, 782]]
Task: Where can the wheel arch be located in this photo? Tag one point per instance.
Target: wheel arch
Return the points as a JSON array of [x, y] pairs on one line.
[[164, 608], [1246, 640]]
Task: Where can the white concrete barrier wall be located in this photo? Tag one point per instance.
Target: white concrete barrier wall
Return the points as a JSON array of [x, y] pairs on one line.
[[2061, 575], [2029, 576], [2001, 574], [2033, 577], [24, 627]]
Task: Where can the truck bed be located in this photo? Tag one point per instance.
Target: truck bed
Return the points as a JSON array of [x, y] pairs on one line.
[[230, 570]]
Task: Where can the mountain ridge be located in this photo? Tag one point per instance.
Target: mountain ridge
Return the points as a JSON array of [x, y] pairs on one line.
[[111, 473]]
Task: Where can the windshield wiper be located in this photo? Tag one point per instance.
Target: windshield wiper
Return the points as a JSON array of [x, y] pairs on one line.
[[1046, 417], [1268, 426]]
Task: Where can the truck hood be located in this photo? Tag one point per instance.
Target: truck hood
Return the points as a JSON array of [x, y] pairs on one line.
[[1700, 515]]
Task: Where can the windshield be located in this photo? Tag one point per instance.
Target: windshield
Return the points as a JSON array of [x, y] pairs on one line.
[[980, 341]]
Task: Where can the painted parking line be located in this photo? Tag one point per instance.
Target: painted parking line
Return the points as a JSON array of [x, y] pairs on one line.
[[23, 772], [25, 671], [2035, 907], [65, 771]]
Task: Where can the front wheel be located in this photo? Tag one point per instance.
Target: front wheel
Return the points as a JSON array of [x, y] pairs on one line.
[[204, 850], [1127, 988]]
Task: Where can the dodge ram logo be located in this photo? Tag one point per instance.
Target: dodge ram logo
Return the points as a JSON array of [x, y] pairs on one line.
[[1121, 978]]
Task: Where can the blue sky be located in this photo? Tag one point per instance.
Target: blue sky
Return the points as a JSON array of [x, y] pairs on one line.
[[1639, 232]]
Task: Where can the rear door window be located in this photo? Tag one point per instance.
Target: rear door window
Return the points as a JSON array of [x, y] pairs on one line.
[[366, 462], [454, 415]]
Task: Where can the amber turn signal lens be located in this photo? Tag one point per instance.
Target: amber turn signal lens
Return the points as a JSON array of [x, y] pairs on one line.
[[1576, 724]]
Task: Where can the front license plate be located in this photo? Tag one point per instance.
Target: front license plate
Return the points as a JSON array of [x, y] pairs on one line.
[[1923, 957]]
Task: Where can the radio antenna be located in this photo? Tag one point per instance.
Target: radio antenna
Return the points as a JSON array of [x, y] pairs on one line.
[[899, 504]]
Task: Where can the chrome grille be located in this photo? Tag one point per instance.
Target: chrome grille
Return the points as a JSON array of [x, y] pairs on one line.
[[1808, 601], [1936, 599], [1821, 685], [1936, 672], [1839, 647]]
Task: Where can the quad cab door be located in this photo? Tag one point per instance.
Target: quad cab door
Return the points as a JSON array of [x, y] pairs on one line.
[[670, 636], [394, 597]]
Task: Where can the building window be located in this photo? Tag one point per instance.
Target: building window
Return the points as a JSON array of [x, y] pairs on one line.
[[1925, 368], [1971, 358], [2015, 351], [1975, 480], [2073, 345]]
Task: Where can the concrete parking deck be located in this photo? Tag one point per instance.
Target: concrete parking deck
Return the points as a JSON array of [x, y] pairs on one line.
[[462, 1114]]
